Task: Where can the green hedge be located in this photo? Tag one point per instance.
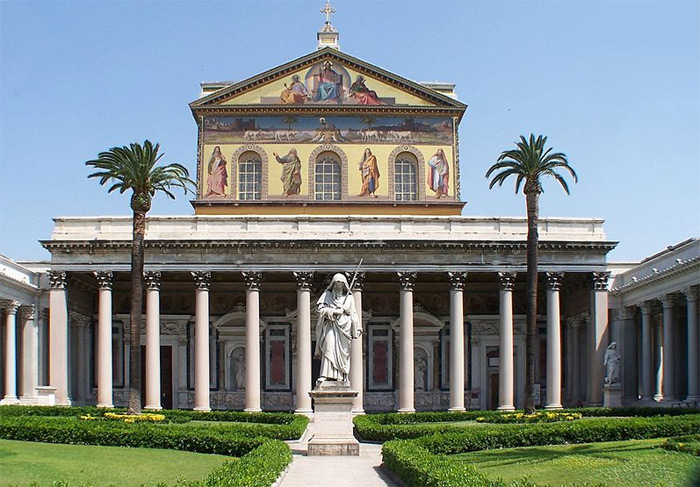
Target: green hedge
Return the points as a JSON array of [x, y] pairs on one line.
[[424, 461], [281, 426], [389, 426]]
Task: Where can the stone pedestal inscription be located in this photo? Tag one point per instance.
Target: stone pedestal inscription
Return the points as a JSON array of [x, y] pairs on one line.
[[333, 420], [612, 395]]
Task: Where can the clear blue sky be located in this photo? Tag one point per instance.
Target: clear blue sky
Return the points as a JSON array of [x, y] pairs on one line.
[[614, 84]]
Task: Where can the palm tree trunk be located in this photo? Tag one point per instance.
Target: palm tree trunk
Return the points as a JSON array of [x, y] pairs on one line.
[[532, 201], [139, 230]]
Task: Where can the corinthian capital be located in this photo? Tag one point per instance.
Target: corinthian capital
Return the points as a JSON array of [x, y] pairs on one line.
[[57, 279], [691, 293], [407, 280], [105, 279], [202, 279], [600, 280], [457, 280], [554, 280], [153, 280], [11, 307], [507, 280], [28, 311], [304, 280], [252, 279]]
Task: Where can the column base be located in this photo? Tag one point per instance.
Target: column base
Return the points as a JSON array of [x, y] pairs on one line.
[[153, 408], [554, 406], [204, 409], [105, 406], [456, 409], [406, 410], [505, 408], [252, 410], [358, 412], [658, 397], [9, 400]]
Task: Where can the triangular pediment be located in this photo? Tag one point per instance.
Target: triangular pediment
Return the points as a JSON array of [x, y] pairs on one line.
[[327, 77]]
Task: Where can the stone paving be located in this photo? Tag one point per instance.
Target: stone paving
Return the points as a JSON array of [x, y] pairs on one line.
[[319, 471]]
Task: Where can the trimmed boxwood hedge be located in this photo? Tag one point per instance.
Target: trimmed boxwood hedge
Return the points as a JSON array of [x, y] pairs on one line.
[[389, 426], [281, 426], [424, 461]]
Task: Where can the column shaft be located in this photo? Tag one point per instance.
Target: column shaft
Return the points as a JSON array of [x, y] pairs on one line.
[[553, 345], [252, 343], [646, 351], [356, 356], [104, 341], [30, 354], [457, 359], [153, 365], [668, 379], [406, 373], [58, 337], [303, 379], [505, 353], [659, 375], [10, 396], [201, 342], [599, 337], [692, 326]]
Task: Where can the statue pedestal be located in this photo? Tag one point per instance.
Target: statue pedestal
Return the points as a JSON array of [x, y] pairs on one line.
[[612, 395], [333, 420]]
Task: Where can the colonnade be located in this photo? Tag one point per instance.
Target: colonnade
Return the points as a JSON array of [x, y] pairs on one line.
[[597, 341], [20, 317]]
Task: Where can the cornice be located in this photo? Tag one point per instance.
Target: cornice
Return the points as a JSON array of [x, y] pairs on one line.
[[20, 286], [659, 275]]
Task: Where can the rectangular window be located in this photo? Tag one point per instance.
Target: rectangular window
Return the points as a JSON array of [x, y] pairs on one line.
[[405, 187], [278, 357], [380, 352], [250, 179]]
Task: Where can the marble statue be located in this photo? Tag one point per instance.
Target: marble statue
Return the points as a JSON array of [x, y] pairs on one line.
[[337, 325], [612, 364]]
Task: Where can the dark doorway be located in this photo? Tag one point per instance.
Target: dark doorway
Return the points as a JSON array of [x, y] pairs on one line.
[[166, 376]]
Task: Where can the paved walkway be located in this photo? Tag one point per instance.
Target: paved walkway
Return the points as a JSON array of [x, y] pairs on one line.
[[319, 471]]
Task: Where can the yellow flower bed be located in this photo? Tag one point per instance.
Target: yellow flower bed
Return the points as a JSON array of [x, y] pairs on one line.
[[537, 417], [127, 418]]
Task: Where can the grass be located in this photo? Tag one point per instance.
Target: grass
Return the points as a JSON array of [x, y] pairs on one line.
[[634, 463], [24, 463]]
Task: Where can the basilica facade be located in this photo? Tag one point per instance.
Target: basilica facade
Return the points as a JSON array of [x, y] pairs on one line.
[[324, 164]]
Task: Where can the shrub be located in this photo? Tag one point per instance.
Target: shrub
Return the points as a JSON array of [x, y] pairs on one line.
[[687, 444]]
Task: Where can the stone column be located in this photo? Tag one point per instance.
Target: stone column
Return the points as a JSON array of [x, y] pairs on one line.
[[202, 281], [11, 308], [554, 280], [646, 308], [252, 341], [691, 296], [406, 393], [659, 375], [599, 337], [575, 323], [105, 282], [356, 356], [667, 302], [30, 353], [457, 282], [505, 351], [81, 351], [153, 283], [58, 337]]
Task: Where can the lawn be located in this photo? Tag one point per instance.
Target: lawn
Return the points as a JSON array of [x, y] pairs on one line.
[[634, 463], [24, 463]]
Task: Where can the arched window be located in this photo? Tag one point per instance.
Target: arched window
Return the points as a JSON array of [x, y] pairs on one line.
[[327, 184], [405, 177], [249, 176]]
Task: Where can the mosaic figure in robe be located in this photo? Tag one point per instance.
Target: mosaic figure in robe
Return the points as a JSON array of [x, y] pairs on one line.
[[362, 94], [439, 174], [294, 93], [218, 176], [337, 325], [291, 172], [370, 174], [328, 88]]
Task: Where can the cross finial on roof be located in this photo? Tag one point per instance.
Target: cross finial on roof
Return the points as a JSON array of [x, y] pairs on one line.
[[328, 10]]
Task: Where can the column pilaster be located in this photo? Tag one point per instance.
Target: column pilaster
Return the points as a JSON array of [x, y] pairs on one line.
[[406, 375], [153, 281], [252, 339], [30, 353], [554, 280], [505, 353], [457, 359], [202, 280], [691, 297], [80, 389], [356, 355], [667, 303], [646, 309], [598, 337], [58, 337], [105, 283], [10, 396]]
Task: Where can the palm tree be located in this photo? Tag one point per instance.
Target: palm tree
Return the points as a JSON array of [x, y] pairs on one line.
[[528, 163], [290, 120], [134, 168]]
